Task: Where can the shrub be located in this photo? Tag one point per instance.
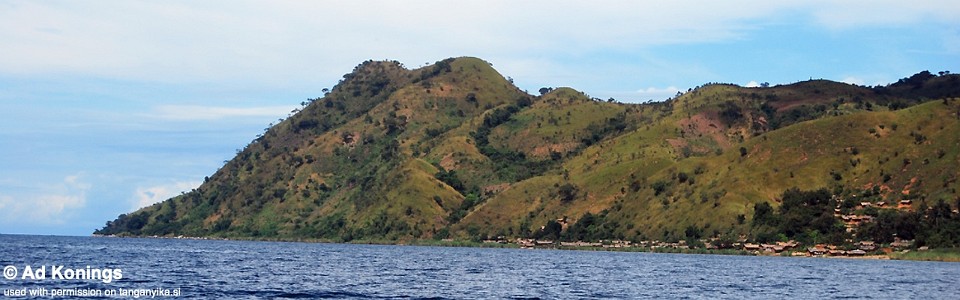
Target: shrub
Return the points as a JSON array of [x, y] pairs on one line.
[[659, 187], [568, 192]]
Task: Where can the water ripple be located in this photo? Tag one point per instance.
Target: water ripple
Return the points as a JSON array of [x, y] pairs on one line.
[[253, 270]]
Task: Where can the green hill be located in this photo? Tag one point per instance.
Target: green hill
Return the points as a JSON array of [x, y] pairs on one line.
[[456, 150]]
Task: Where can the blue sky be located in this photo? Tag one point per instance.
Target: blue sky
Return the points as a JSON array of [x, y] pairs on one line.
[[108, 106]]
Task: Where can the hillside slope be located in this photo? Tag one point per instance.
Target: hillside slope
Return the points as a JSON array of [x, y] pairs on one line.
[[455, 150]]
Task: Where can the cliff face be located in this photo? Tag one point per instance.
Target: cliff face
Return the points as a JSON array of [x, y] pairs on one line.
[[456, 150]]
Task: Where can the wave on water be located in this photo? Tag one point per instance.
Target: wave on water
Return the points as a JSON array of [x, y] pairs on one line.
[[236, 270]]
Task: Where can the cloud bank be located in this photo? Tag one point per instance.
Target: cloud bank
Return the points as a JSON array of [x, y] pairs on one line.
[[278, 41], [146, 196], [49, 204], [198, 112]]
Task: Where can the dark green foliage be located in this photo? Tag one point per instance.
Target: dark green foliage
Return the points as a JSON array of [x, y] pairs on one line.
[[692, 235], [636, 185], [941, 227], [797, 114], [896, 105], [568, 192], [390, 150], [836, 176], [889, 224], [306, 125], [763, 215], [597, 132], [915, 81], [591, 227], [129, 223], [583, 229], [937, 227], [659, 187], [331, 226], [438, 68], [919, 87], [394, 124], [768, 110], [499, 116], [806, 216], [510, 165], [223, 224], [433, 132], [451, 179], [919, 138], [693, 232], [554, 155], [730, 113], [384, 226], [472, 98], [524, 101], [803, 210], [682, 177], [442, 233], [551, 231], [468, 202]]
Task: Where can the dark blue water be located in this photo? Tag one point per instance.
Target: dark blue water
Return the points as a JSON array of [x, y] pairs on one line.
[[233, 269]]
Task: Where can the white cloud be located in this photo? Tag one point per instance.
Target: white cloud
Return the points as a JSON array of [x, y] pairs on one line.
[[867, 80], [883, 13], [197, 112], [146, 196], [643, 95], [6, 203], [282, 41], [752, 84], [297, 43], [74, 181], [659, 92], [852, 80], [52, 204]]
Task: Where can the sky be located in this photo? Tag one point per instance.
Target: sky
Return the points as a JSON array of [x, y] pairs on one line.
[[109, 106]]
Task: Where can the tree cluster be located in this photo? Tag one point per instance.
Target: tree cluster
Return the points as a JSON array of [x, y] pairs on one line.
[[806, 216], [935, 226]]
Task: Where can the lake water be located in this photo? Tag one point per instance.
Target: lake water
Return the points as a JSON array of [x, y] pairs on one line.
[[234, 269]]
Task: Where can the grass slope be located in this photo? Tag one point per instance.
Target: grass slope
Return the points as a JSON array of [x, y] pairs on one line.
[[454, 149]]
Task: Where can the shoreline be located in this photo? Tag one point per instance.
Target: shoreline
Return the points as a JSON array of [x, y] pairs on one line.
[[932, 255]]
